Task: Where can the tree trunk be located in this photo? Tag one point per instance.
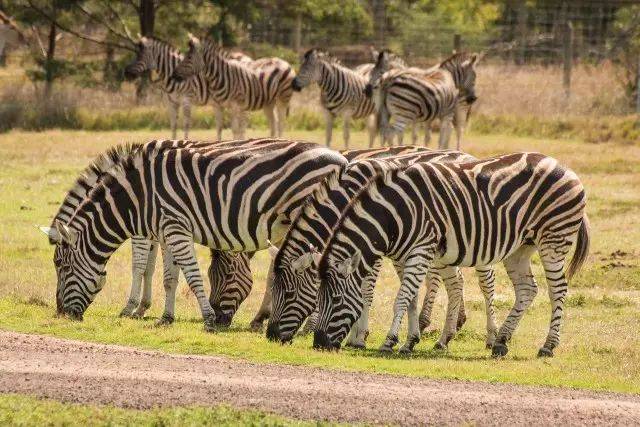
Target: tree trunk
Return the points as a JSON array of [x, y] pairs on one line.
[[297, 33], [147, 18], [49, 72], [521, 48], [379, 22]]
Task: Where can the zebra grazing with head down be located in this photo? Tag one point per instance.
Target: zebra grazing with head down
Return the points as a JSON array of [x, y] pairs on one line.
[[446, 92], [341, 91], [265, 84], [233, 198], [156, 55], [295, 282], [386, 60], [221, 275], [439, 216]]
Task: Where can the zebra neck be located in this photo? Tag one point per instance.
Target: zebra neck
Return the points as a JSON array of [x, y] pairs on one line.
[[166, 62]]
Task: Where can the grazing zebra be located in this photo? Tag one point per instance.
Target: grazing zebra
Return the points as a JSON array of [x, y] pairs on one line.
[[445, 93], [144, 251], [265, 84], [157, 55], [296, 282], [341, 91], [386, 60], [443, 215], [233, 198]]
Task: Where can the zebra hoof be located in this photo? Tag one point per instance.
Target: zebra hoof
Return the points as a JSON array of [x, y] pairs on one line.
[[423, 325], [499, 350], [385, 348], [462, 319], [255, 326], [545, 352], [210, 323], [406, 349], [126, 312], [357, 345], [439, 346], [165, 320]]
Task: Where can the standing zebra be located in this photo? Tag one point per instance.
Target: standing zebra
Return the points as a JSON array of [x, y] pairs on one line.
[[235, 200], [386, 60], [266, 84], [226, 271], [295, 265], [443, 215], [341, 91], [156, 55], [445, 93]]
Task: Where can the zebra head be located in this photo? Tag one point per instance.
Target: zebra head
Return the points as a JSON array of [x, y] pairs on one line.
[[231, 281], [339, 297], [310, 70], [462, 67], [78, 279], [385, 61], [194, 61], [145, 59], [293, 291]]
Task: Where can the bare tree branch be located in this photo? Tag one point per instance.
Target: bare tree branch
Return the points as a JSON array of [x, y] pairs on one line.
[[92, 17], [36, 35], [6, 20], [115, 13]]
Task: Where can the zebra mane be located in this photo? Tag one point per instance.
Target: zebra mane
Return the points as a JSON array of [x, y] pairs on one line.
[[323, 55], [393, 58], [455, 60]]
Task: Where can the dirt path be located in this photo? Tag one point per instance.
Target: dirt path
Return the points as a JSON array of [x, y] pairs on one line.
[[74, 371]]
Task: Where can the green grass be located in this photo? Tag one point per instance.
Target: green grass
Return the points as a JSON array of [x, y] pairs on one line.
[[600, 346], [25, 410]]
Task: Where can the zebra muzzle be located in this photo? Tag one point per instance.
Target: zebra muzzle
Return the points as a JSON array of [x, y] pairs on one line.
[[321, 341]]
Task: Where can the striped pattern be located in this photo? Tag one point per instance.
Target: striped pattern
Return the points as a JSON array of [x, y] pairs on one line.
[[265, 84], [341, 91], [445, 215], [407, 97], [295, 282], [166, 194]]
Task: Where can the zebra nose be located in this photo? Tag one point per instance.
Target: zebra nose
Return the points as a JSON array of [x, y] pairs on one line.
[[223, 319], [295, 85], [471, 99], [321, 341], [273, 331], [368, 90]]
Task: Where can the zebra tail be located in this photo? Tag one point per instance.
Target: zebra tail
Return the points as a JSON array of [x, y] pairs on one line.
[[582, 248], [382, 113]]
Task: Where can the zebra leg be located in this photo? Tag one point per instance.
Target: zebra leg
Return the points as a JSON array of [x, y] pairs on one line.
[[413, 330], [181, 245], [310, 324], [145, 303], [329, 129], [186, 117], [345, 130], [453, 285], [271, 118], [219, 116], [413, 273], [371, 128], [553, 257], [433, 283], [360, 330], [139, 253], [459, 121], [486, 280], [173, 117], [462, 313], [281, 110], [518, 266], [445, 132], [170, 284], [265, 308], [427, 133], [414, 133]]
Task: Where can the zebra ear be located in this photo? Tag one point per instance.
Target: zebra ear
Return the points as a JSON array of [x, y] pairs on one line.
[[349, 265], [303, 262], [67, 235], [374, 54], [52, 233], [315, 255], [273, 249], [472, 61]]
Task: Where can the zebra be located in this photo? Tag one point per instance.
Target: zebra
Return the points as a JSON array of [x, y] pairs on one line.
[[144, 251], [232, 199], [155, 54], [443, 215], [384, 61], [447, 93], [265, 84], [295, 281], [341, 91]]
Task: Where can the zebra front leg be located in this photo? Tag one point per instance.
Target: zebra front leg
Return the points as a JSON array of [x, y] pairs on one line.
[[329, 129], [414, 272], [281, 110], [265, 308], [173, 117], [518, 266], [450, 277], [139, 254], [445, 132], [462, 313], [413, 330], [486, 280], [345, 129], [271, 118], [371, 129], [181, 245], [414, 133], [427, 133], [145, 302], [186, 117], [310, 324], [219, 116], [360, 330], [170, 283], [459, 122], [433, 283]]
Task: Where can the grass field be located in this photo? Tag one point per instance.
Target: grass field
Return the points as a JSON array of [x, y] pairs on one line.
[[600, 346]]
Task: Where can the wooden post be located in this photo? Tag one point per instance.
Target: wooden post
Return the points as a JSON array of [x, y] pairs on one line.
[[568, 59], [297, 33], [457, 43], [521, 48], [638, 88]]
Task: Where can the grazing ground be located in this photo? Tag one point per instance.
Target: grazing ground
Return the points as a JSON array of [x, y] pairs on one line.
[[600, 346]]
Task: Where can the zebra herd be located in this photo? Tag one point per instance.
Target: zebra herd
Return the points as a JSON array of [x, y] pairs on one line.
[[327, 218], [387, 93]]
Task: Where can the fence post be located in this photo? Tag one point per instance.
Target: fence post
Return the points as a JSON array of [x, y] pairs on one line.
[[638, 87], [457, 43], [568, 58]]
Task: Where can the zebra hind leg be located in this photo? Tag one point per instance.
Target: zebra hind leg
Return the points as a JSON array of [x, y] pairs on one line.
[[486, 280], [265, 308], [150, 267], [139, 253], [170, 283], [453, 286], [413, 330], [518, 266], [433, 283]]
